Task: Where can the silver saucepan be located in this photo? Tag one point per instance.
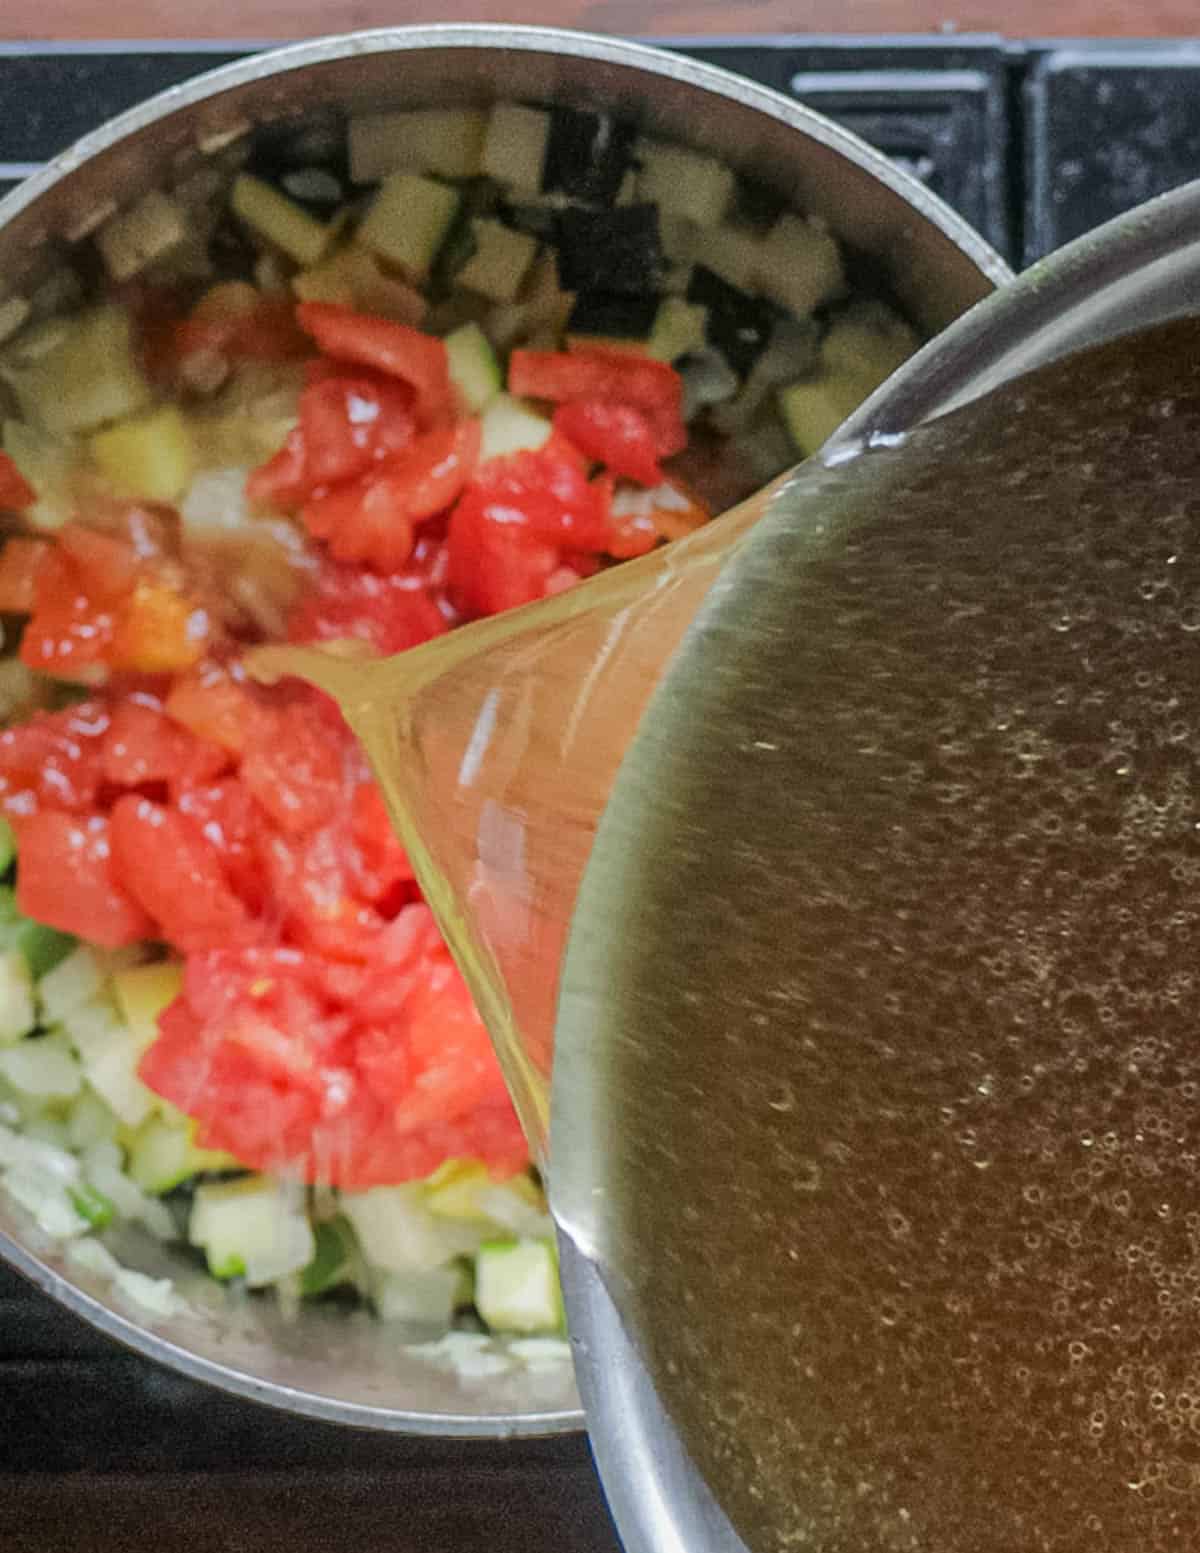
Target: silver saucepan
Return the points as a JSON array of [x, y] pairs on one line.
[[326, 1364]]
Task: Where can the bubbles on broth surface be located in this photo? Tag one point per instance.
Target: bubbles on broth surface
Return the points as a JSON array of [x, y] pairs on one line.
[[948, 1297]]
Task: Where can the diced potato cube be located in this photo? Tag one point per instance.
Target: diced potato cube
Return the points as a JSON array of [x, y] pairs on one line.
[[152, 456], [280, 220], [446, 141], [801, 264], [514, 150], [500, 262], [135, 238], [408, 222], [684, 182]]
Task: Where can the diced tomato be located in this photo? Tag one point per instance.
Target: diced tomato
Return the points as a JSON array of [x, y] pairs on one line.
[[614, 377], [284, 1078], [619, 436], [379, 864], [53, 760], [490, 570], [400, 351], [16, 492], [159, 630], [350, 423], [371, 519], [234, 827], [312, 882], [20, 562], [267, 331], [282, 482], [174, 876], [294, 770], [67, 879], [214, 702], [143, 746], [390, 612], [70, 630], [106, 563]]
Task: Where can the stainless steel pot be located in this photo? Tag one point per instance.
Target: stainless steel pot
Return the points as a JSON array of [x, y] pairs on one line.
[[1139, 270], [323, 1364]]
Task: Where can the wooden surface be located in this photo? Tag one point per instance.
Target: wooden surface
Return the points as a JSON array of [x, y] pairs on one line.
[[280, 19]]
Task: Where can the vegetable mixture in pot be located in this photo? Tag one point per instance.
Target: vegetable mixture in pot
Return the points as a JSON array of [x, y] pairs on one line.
[[348, 383]]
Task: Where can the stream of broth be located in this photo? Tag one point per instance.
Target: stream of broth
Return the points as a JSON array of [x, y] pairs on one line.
[[909, 1135]]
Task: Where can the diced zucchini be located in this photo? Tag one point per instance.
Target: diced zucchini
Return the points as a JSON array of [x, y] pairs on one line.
[[426, 1298], [142, 994], [801, 264], [335, 1257], [686, 183], [516, 1286], [255, 1228], [18, 1012], [679, 328], [398, 1233], [868, 342], [813, 410], [408, 222], [152, 456], [145, 232], [110, 1053], [499, 263], [510, 426], [474, 369], [8, 845], [76, 982], [444, 141], [89, 376], [163, 1152], [280, 220], [45, 1068], [514, 147]]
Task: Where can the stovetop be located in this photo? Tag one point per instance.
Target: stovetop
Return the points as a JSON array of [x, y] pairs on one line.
[[1034, 143]]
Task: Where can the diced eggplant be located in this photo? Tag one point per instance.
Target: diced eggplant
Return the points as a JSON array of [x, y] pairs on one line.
[[733, 253], [758, 205], [288, 147], [447, 142], [409, 221], [616, 251], [499, 262], [314, 189], [685, 183], [801, 264], [14, 311], [623, 322], [587, 155], [739, 325], [793, 351], [514, 148]]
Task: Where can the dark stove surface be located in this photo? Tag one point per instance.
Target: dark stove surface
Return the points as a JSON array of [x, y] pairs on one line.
[[100, 1450]]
